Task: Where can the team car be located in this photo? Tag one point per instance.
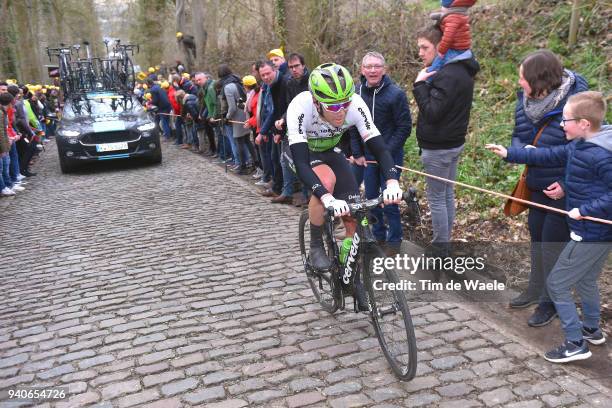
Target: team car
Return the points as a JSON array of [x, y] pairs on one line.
[[105, 126]]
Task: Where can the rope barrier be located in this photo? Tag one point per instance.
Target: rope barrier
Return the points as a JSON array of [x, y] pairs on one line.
[[495, 193], [212, 120]]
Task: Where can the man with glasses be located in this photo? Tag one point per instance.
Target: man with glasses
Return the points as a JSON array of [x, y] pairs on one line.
[[296, 85], [315, 122], [391, 115]]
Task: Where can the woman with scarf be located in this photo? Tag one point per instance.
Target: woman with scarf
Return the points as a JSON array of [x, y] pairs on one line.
[[546, 86]]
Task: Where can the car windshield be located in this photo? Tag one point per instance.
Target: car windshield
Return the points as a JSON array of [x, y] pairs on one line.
[[96, 105]]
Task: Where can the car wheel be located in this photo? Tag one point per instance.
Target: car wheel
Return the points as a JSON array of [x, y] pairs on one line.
[[66, 167], [157, 156]]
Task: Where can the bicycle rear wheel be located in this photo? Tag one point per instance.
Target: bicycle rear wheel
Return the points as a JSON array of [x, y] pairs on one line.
[[391, 318], [324, 285]]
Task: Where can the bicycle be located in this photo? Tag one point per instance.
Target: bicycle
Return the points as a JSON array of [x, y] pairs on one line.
[[388, 309]]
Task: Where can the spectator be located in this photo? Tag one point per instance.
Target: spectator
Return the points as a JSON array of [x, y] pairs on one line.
[[25, 145], [7, 188], [252, 123], [268, 74], [444, 112], [159, 98], [456, 39], [277, 57], [296, 85], [588, 175], [171, 88], [233, 96], [391, 115], [278, 92], [204, 127], [545, 89]]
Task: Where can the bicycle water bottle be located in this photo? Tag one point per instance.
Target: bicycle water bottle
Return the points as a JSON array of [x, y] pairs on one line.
[[344, 249]]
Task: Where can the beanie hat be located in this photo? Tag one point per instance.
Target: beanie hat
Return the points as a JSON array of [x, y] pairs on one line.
[[277, 52], [249, 80]]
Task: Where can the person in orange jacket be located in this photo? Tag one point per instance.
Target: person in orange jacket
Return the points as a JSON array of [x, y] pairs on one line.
[[454, 22]]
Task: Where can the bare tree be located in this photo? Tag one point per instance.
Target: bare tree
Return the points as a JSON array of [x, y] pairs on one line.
[[198, 8], [181, 27]]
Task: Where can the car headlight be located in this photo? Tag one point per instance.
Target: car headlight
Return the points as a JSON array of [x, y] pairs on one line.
[[146, 126], [68, 133]]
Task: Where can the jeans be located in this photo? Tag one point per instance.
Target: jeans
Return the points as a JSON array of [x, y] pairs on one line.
[[178, 125], [277, 170], [224, 148], [358, 172], [245, 148], [579, 266], [391, 230], [229, 134], [549, 234], [441, 195], [164, 121], [439, 62], [14, 165], [6, 179], [266, 159], [289, 177]]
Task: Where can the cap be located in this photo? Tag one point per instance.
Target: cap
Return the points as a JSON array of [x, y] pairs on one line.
[[249, 80], [277, 52]]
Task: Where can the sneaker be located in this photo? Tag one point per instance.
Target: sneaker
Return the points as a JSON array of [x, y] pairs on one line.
[[7, 192], [17, 187], [597, 337], [258, 173], [544, 314], [567, 352], [523, 300], [20, 177], [262, 183]]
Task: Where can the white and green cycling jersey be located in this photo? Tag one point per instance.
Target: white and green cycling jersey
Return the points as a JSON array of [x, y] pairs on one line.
[[304, 124]]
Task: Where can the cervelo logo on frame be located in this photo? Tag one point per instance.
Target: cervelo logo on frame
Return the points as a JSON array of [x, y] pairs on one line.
[[348, 270], [365, 118]]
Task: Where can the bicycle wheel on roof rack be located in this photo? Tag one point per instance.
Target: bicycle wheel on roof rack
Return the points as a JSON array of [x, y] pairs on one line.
[[129, 80]]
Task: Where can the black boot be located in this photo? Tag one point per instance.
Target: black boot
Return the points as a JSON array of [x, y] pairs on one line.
[[318, 257]]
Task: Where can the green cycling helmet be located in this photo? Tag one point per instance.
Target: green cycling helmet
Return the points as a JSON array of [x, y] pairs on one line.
[[331, 83]]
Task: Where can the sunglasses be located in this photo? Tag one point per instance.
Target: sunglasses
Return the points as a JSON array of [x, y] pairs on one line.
[[336, 107]]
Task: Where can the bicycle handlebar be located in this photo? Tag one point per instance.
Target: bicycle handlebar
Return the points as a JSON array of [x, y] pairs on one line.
[[407, 196]]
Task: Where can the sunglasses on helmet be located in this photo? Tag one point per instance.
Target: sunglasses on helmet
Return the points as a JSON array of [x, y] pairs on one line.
[[336, 107]]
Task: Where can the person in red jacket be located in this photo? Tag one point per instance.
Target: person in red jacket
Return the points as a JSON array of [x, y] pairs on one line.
[[176, 108], [252, 87], [454, 22]]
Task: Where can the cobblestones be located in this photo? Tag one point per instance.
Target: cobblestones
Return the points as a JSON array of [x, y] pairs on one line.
[[137, 296]]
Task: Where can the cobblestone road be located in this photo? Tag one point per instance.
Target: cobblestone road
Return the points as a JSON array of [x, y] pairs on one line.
[[178, 285]]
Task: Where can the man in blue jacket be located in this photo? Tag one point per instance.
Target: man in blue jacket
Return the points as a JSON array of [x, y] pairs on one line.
[[159, 98], [391, 115]]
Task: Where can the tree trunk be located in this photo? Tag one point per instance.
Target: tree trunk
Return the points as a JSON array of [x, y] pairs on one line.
[[213, 25], [198, 11], [181, 26], [573, 31], [8, 57]]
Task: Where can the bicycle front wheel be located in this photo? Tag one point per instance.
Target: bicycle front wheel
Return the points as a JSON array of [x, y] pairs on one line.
[[324, 285], [391, 317]]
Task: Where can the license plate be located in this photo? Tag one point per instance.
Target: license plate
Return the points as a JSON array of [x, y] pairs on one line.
[[111, 147]]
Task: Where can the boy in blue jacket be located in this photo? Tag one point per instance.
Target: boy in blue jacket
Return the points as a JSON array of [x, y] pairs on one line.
[[588, 182]]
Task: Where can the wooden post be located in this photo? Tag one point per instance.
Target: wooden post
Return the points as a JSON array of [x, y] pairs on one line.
[[573, 31]]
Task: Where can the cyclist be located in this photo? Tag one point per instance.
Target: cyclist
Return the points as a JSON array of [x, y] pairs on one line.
[[316, 120]]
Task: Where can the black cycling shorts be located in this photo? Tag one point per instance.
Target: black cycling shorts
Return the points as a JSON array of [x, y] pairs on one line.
[[346, 187]]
